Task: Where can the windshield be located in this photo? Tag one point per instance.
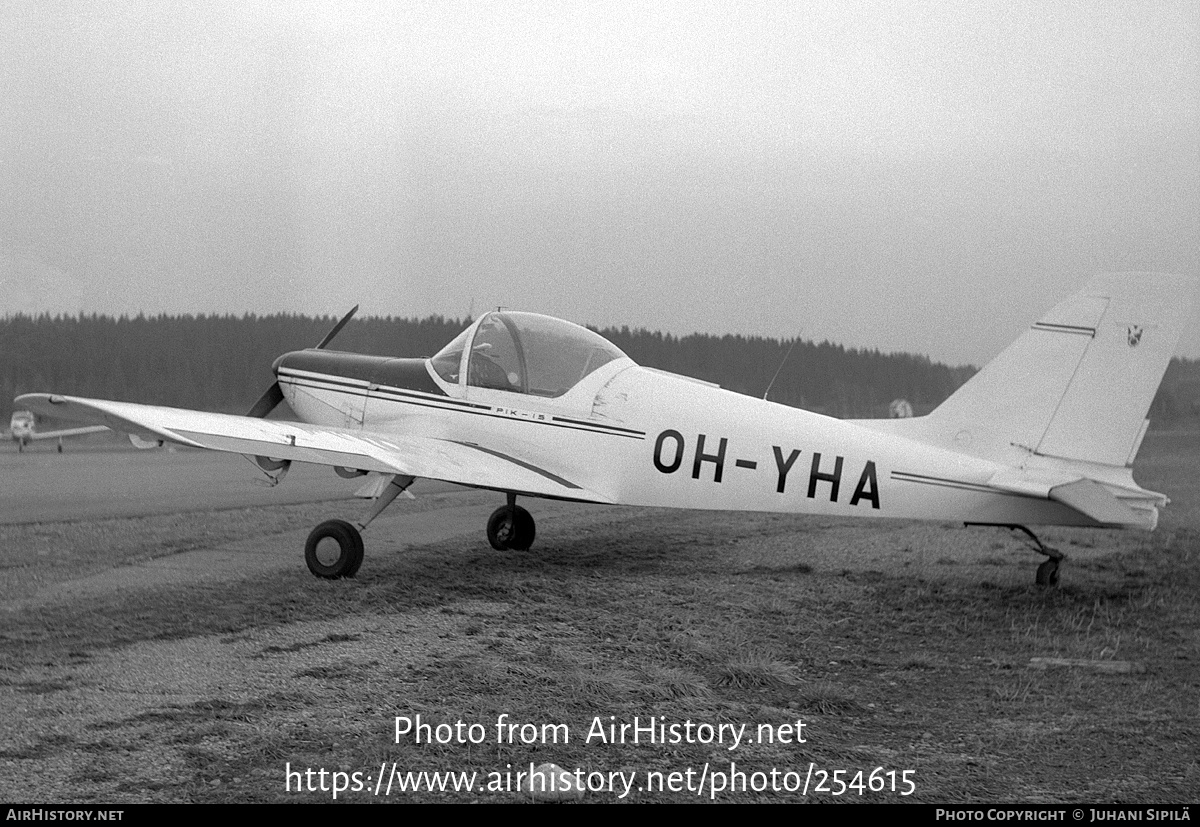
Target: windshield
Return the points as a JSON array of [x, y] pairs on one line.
[[448, 359], [527, 353], [496, 358]]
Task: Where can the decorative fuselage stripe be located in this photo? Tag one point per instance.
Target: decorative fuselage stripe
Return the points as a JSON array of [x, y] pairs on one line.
[[603, 427], [352, 387], [527, 466], [962, 485], [325, 377], [1066, 328]]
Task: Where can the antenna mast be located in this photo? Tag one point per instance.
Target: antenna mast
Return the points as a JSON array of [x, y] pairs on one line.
[[781, 364]]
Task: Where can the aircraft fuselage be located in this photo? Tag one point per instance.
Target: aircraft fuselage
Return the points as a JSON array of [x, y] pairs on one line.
[[642, 437]]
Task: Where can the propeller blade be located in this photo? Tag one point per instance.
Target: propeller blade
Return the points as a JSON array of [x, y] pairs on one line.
[[337, 328], [274, 394], [267, 401]]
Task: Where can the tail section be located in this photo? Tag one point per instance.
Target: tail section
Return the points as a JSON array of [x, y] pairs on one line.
[[1078, 384]]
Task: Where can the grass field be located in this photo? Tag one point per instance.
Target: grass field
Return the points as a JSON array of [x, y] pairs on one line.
[[900, 646]]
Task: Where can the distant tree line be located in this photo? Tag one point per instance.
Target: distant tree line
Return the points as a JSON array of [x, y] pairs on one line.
[[223, 363], [1178, 398], [822, 377]]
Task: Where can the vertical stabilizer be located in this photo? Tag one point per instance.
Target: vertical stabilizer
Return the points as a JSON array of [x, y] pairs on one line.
[[1078, 384]]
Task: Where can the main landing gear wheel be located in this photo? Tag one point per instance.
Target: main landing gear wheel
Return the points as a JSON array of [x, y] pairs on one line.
[[334, 549], [1047, 573], [511, 528]]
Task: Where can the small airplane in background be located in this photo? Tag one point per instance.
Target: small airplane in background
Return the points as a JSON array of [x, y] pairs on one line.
[[22, 429], [532, 406]]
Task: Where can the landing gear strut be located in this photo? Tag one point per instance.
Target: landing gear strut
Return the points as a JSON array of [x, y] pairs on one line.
[[335, 548], [511, 527], [1047, 572]]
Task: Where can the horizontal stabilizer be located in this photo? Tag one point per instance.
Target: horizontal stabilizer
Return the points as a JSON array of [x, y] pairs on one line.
[[1031, 482], [1093, 499], [1086, 496]]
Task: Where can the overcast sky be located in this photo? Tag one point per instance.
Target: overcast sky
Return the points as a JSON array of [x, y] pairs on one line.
[[916, 176]]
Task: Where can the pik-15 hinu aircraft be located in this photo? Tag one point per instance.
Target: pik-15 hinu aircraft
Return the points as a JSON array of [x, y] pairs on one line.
[[532, 406]]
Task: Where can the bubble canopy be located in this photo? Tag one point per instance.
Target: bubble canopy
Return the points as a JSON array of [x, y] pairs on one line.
[[524, 353]]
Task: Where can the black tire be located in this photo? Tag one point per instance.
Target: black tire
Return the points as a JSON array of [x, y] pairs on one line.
[[511, 529], [350, 550], [499, 528], [1047, 573], [524, 530]]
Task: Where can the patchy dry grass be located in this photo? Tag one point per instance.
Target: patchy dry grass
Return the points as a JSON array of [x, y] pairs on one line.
[[641, 616]]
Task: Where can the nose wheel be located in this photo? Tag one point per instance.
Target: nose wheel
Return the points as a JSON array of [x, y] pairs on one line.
[[511, 528]]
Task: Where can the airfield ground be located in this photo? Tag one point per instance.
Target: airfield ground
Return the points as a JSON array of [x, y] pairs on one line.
[[163, 641]]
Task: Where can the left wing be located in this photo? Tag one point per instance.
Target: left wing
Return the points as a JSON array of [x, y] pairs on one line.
[[417, 456]]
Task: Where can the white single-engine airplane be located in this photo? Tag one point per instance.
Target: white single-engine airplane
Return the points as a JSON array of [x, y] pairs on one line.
[[532, 406], [22, 429]]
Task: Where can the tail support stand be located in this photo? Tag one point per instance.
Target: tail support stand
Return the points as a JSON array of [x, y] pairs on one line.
[[396, 487], [1047, 572]]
